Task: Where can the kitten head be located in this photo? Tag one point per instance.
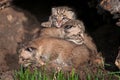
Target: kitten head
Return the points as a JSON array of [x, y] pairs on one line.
[[26, 56], [74, 31], [60, 15], [74, 27], [29, 56]]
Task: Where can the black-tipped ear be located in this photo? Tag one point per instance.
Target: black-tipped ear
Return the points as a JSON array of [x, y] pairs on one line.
[[30, 49]]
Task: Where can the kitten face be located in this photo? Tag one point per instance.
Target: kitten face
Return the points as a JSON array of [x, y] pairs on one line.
[[30, 56], [26, 56], [74, 31], [60, 15]]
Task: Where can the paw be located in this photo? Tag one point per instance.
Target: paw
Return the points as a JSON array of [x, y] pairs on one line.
[[46, 24]]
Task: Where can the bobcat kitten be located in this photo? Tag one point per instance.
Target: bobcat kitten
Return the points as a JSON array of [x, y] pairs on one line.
[[75, 32], [59, 16], [72, 30], [57, 53], [53, 51]]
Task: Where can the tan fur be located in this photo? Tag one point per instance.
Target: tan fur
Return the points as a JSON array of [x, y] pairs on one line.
[[77, 34], [52, 32], [74, 34], [53, 50], [74, 31], [63, 52], [59, 16], [88, 41], [77, 27]]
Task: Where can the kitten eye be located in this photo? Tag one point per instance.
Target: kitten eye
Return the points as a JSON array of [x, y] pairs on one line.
[[30, 49], [54, 17], [41, 57], [68, 26], [64, 18]]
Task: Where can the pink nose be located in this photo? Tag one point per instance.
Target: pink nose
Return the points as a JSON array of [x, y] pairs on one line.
[[59, 23]]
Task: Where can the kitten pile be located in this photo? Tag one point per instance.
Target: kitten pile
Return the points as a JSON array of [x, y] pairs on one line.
[[62, 43], [65, 17], [74, 29]]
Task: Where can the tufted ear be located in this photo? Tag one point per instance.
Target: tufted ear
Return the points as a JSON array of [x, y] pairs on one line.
[[73, 14], [81, 25], [53, 11]]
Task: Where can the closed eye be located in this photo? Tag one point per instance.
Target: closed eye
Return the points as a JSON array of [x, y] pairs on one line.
[[54, 17], [41, 57], [64, 17], [30, 49], [68, 26]]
